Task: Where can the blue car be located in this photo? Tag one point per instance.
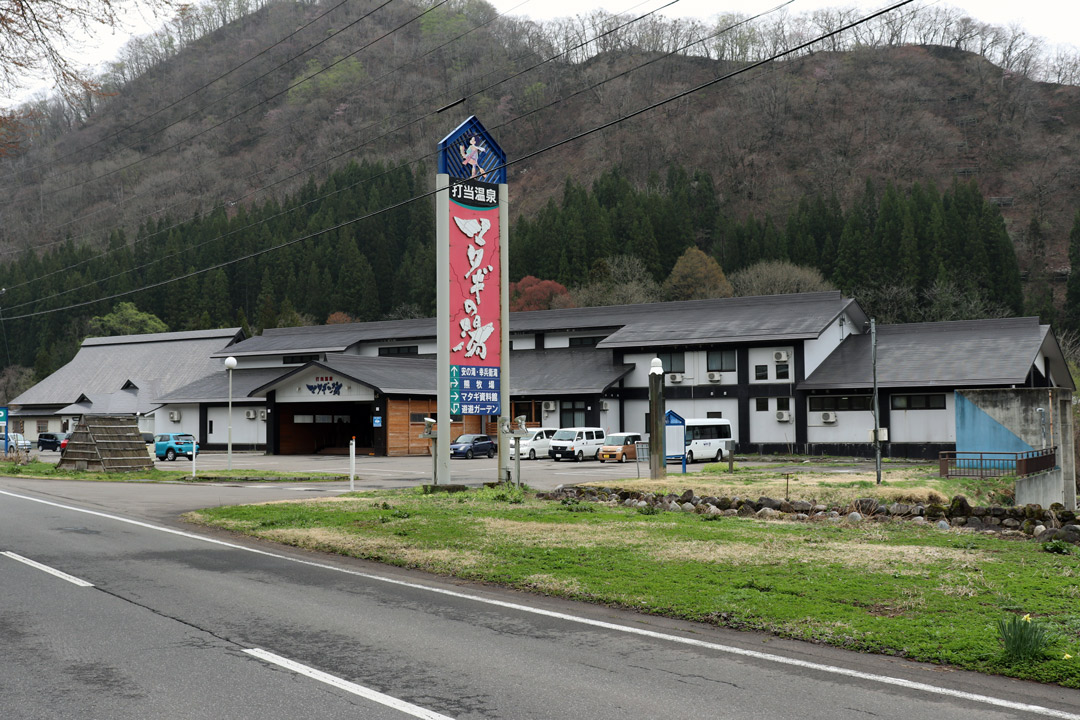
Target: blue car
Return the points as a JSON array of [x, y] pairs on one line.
[[169, 445], [469, 446]]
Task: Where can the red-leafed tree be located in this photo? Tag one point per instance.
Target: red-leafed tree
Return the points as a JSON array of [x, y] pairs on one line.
[[339, 318], [532, 293]]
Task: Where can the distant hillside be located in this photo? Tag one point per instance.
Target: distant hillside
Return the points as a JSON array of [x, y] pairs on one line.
[[820, 124]]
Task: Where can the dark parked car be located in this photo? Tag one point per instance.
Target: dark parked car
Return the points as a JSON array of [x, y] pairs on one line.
[[469, 446], [50, 440]]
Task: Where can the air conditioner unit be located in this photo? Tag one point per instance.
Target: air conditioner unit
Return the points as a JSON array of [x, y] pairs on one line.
[[605, 405], [715, 376], [828, 417], [783, 416], [262, 414], [249, 414], [549, 406], [883, 435], [174, 415], [675, 377], [780, 356]]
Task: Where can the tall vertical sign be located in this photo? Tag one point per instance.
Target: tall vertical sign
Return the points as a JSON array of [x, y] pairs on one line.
[[472, 284]]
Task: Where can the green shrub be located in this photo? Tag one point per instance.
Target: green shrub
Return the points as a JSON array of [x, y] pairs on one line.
[[1059, 547], [1025, 640], [649, 510]]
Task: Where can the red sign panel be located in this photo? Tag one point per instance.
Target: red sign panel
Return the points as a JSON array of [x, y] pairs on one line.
[[475, 331]]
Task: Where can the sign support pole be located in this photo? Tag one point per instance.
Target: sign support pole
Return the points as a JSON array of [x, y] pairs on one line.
[[442, 312], [504, 331]]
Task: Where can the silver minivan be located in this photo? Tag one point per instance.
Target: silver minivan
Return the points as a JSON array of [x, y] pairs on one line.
[[534, 445], [577, 443]]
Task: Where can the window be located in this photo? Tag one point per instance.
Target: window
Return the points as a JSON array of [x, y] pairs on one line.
[[714, 415], [918, 402], [783, 403], [761, 404], [42, 426], [17, 426], [832, 403], [782, 371], [720, 361], [303, 419], [761, 372], [210, 426], [584, 341], [399, 350], [674, 362], [298, 359], [416, 418], [572, 413]]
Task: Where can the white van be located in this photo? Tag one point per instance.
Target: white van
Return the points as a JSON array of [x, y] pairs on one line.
[[576, 442], [535, 444], [708, 439]]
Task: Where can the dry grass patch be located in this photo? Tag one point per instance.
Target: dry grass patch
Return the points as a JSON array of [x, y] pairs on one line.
[[560, 535], [551, 585], [390, 549], [902, 559]]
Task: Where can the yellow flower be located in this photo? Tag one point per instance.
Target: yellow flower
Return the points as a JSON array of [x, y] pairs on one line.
[[1026, 618], [1067, 657]]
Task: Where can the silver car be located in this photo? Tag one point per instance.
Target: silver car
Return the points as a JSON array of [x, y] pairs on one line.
[[16, 440]]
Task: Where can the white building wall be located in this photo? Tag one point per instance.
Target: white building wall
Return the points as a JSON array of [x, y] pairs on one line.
[[609, 419], [764, 356], [423, 347], [815, 351], [318, 385], [188, 423], [764, 427], [244, 430], [524, 342], [851, 426], [915, 426], [701, 407]]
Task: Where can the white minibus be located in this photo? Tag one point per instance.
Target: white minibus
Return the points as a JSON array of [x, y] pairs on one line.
[[708, 439]]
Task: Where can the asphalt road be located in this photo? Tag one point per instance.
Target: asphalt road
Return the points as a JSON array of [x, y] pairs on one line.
[[179, 624]]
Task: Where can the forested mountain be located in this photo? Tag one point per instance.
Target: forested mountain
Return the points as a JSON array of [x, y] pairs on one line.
[[253, 153]]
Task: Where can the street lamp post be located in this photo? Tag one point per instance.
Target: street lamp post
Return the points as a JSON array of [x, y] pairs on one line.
[[230, 365]]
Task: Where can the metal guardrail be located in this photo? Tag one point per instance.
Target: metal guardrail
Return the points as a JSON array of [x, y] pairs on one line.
[[956, 463]]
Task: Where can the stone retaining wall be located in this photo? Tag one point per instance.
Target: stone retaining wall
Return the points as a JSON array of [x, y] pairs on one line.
[[1055, 523]]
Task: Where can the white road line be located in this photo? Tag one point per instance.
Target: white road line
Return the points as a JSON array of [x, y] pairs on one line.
[[716, 647], [52, 571], [376, 696]]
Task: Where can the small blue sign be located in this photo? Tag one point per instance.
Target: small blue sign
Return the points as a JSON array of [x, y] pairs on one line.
[[470, 153], [376, 421]]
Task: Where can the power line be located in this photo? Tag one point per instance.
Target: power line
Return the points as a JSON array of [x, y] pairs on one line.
[[572, 138]]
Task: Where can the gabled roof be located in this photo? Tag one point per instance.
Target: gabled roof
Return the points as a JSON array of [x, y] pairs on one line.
[[966, 353], [214, 386], [689, 322], [564, 371], [105, 365]]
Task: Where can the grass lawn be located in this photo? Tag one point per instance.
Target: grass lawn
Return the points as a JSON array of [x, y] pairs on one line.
[[893, 588], [47, 470]]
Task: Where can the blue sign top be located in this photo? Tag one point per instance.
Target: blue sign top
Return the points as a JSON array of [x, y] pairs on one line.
[[469, 152], [673, 418]]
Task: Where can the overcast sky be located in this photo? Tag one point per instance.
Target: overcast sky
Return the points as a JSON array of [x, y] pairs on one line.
[[1058, 21]]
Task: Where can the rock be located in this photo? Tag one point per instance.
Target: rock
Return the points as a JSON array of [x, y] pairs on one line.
[[865, 506], [1066, 516], [767, 502], [1033, 512], [959, 507], [991, 522], [687, 507], [786, 507], [996, 511], [942, 524], [730, 512], [1038, 530], [746, 510], [712, 510], [958, 521], [918, 520], [854, 517], [978, 511], [724, 503], [687, 496], [820, 508], [935, 511], [918, 510], [832, 514], [974, 523], [629, 502], [800, 517], [899, 509], [1062, 534], [767, 513], [1011, 523], [801, 506], [1071, 528], [641, 504]]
